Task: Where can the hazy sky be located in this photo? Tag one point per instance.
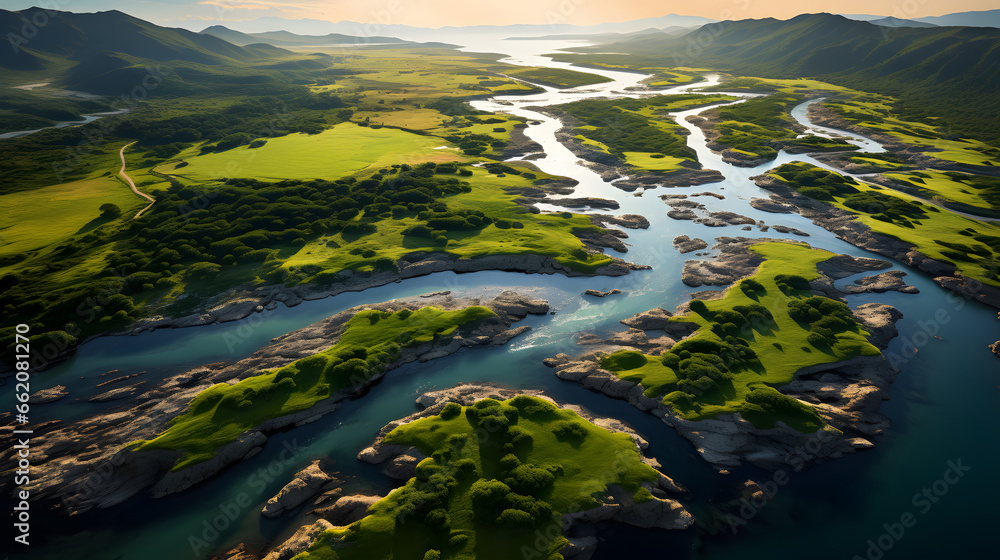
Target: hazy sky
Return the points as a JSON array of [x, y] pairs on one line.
[[436, 13]]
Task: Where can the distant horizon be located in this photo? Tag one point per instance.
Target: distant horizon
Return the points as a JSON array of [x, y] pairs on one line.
[[436, 14]]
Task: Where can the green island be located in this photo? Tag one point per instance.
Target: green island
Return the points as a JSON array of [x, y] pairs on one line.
[[371, 340], [972, 246], [754, 338], [639, 131], [488, 496], [759, 127]]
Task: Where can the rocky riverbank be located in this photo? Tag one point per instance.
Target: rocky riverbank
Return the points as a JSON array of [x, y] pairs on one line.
[[89, 463], [845, 226], [846, 394]]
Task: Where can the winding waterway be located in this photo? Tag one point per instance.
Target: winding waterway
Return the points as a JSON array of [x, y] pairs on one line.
[[941, 408]]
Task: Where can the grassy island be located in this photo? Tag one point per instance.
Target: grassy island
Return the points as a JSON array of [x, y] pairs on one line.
[[371, 340], [764, 329], [498, 475]]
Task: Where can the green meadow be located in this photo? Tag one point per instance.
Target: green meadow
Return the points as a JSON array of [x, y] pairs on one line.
[[754, 338], [498, 474], [342, 150], [978, 191]]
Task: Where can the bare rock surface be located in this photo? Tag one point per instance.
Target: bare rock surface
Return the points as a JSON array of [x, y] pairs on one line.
[[881, 283], [48, 395], [686, 244], [307, 484], [599, 293]]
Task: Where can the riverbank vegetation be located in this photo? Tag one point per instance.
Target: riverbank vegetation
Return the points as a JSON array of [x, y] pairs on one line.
[[881, 114], [972, 246], [748, 342], [497, 495]]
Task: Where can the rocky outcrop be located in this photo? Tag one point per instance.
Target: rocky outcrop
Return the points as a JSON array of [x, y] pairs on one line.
[[772, 206], [86, 464], [630, 221], [725, 218], [114, 394], [598, 293], [656, 318], [881, 283], [348, 509], [307, 484], [48, 395], [685, 244], [787, 229], [734, 261], [842, 266], [300, 541]]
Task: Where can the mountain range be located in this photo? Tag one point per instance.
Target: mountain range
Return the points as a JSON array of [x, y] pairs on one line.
[[288, 39], [949, 71], [111, 52]]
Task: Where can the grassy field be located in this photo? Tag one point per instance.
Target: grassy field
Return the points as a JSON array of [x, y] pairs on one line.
[[35, 219], [971, 245], [748, 342], [371, 340], [491, 497], [770, 85], [540, 234], [971, 190], [342, 150]]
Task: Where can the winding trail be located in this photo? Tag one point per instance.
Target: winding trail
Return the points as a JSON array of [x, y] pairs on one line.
[[131, 183]]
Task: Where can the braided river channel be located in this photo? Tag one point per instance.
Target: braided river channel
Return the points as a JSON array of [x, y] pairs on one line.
[[942, 405]]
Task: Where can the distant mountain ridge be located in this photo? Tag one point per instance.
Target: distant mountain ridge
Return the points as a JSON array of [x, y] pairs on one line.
[[288, 39], [954, 70], [319, 27], [111, 53]]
